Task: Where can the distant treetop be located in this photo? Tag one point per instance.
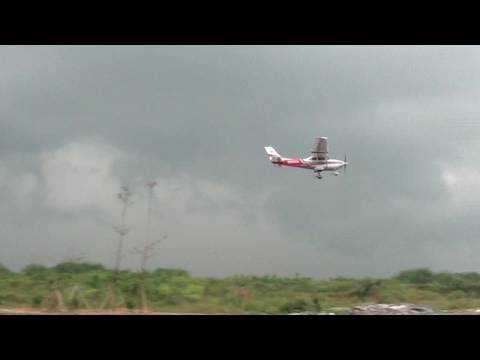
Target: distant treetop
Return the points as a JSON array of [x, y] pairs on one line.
[[4, 269]]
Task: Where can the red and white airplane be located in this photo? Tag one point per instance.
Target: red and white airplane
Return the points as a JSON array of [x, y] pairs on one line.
[[317, 162]]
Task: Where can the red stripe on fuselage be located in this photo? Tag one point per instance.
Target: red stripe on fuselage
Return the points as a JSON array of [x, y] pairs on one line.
[[294, 163]]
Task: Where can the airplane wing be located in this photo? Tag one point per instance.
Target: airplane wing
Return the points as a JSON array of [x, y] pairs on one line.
[[320, 148]]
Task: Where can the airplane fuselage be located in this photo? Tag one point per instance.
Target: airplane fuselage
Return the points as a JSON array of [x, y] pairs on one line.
[[329, 165]]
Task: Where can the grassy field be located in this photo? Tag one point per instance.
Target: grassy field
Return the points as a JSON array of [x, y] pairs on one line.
[[80, 285]]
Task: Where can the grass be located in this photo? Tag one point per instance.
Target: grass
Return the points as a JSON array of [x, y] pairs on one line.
[[87, 286]]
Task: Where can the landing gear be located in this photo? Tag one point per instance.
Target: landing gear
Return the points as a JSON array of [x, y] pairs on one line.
[[336, 173], [318, 176]]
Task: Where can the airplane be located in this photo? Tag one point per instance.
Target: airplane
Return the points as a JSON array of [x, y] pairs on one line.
[[318, 161]]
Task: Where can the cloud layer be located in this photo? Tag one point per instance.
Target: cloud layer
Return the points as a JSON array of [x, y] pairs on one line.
[[78, 122]]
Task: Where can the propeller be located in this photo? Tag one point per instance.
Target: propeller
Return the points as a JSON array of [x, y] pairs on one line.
[[345, 165]]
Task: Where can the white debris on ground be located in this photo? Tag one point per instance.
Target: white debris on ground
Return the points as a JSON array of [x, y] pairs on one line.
[[392, 309], [312, 313], [7, 311], [381, 309]]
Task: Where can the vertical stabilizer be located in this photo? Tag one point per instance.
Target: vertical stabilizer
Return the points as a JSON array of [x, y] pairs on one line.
[[271, 151]]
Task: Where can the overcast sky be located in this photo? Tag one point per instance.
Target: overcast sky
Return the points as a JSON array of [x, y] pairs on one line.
[[78, 122]]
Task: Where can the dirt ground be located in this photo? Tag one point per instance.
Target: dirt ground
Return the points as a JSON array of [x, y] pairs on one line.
[[36, 311]]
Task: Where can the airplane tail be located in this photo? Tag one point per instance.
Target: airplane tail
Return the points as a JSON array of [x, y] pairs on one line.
[[273, 155], [271, 151]]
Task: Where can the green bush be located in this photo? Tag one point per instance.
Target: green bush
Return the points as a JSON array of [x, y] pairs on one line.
[[95, 282], [130, 304], [171, 273], [457, 294], [316, 304], [193, 292], [297, 305], [366, 288], [74, 267], [416, 276], [37, 300], [37, 272], [448, 282], [470, 276]]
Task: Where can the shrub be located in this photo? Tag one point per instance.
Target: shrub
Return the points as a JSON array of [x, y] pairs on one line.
[[448, 282], [95, 282], [130, 304], [416, 276], [35, 269], [74, 267], [316, 304], [170, 273], [297, 305], [37, 300], [366, 288], [457, 294], [470, 276]]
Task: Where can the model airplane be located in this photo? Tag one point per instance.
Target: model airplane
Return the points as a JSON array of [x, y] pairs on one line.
[[318, 161]]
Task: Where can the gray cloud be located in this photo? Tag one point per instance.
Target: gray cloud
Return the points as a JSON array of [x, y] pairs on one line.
[[76, 122]]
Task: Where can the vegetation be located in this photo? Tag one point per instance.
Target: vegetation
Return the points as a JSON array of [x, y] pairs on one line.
[[81, 285]]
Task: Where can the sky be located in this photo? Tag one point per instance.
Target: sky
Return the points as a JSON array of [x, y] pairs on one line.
[[79, 122]]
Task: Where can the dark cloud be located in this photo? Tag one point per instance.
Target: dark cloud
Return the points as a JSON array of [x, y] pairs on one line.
[[197, 118]]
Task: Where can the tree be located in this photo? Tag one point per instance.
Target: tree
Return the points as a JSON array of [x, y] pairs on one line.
[[3, 269], [35, 269], [148, 248], [122, 231], [417, 276]]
